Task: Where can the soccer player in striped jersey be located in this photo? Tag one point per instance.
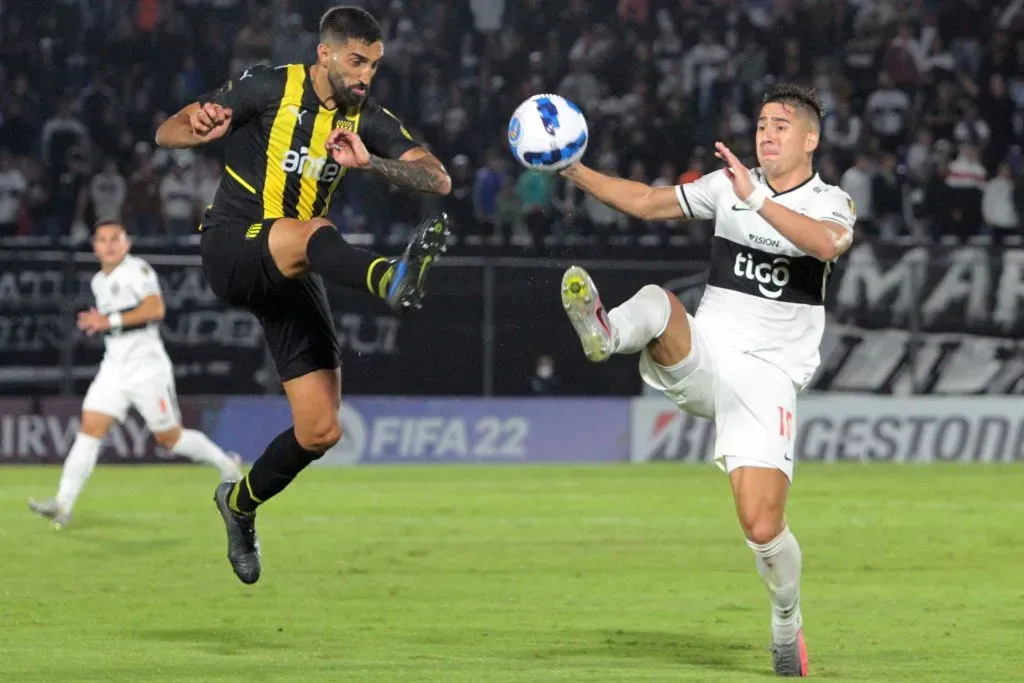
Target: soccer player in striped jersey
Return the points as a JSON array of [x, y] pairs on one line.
[[293, 134]]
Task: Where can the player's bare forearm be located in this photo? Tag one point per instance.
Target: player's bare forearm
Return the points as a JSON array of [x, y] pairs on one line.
[[176, 132], [150, 309], [423, 174], [824, 240], [636, 199]]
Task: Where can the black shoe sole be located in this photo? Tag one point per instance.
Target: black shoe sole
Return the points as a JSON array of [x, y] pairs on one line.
[[431, 241]]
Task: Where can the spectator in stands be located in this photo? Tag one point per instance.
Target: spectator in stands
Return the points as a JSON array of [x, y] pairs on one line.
[[888, 112], [966, 181], [509, 213], [544, 381], [178, 201], [13, 186], [887, 197], [997, 203], [856, 182], [534, 191], [672, 77], [842, 133], [107, 192], [486, 185], [919, 153], [970, 129], [142, 205], [61, 132]]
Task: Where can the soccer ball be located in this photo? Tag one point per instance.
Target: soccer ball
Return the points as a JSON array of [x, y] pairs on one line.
[[547, 133]]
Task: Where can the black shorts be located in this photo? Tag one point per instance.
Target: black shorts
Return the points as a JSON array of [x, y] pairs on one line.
[[294, 312]]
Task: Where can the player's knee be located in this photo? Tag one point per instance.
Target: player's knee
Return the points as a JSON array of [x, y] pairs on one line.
[[310, 227], [762, 528], [319, 435], [167, 439], [95, 425]]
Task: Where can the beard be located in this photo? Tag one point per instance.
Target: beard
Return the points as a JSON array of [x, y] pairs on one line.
[[343, 94]]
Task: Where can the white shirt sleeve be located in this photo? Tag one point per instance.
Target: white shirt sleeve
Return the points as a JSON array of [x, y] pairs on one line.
[[835, 206], [697, 199], [94, 286], [144, 280]]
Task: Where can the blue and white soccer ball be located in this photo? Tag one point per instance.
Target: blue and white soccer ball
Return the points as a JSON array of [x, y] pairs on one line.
[[547, 133]]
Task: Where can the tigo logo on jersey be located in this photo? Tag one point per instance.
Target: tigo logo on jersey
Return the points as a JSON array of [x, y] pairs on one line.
[[771, 277], [301, 162]]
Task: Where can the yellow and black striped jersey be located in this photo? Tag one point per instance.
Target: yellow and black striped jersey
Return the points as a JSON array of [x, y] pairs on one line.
[[276, 160]]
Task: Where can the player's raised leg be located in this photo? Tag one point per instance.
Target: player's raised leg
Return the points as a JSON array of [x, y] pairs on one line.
[[298, 247], [78, 466], [760, 495], [652, 318]]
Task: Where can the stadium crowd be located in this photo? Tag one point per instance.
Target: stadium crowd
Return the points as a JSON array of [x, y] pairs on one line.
[[923, 101]]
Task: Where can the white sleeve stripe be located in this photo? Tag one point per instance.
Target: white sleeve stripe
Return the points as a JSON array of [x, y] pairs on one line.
[[837, 222], [684, 203]]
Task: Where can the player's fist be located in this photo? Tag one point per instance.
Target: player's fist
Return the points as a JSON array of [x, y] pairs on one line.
[[210, 121], [347, 149], [92, 322]]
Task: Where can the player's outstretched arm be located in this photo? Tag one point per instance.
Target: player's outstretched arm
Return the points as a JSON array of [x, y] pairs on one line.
[[196, 124], [150, 309], [636, 199], [416, 169]]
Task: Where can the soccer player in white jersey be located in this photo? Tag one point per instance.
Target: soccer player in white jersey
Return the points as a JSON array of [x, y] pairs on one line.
[[753, 343], [135, 372]]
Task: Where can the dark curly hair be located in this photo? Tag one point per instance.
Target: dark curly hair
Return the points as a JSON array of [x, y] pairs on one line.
[[799, 97], [340, 24]]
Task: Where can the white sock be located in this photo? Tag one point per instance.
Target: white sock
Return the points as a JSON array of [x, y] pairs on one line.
[[640, 319], [77, 467], [778, 563], [197, 446]]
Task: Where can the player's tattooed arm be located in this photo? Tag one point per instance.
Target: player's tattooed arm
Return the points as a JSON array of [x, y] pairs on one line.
[[417, 170]]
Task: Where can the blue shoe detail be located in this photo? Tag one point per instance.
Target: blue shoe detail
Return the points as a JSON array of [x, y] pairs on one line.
[[407, 287], [396, 278]]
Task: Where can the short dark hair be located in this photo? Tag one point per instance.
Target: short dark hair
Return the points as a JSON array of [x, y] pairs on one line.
[[799, 97], [104, 222], [343, 23]]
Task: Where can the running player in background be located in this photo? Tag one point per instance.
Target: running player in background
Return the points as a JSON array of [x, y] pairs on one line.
[[753, 344], [135, 372], [293, 133]]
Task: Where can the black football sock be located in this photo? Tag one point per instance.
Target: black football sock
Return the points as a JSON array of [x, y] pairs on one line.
[[275, 469], [339, 262]]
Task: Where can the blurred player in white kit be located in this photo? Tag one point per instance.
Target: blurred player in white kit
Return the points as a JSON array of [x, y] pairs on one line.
[[753, 343], [135, 372]]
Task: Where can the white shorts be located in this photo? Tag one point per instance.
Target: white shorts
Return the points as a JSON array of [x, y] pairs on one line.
[[147, 388], [752, 402]]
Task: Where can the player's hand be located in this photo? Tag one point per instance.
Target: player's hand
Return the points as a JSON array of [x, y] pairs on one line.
[[571, 171], [92, 322], [742, 183], [347, 149], [210, 121]]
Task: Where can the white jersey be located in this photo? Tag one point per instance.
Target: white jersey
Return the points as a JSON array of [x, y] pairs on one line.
[[121, 290], [764, 296]]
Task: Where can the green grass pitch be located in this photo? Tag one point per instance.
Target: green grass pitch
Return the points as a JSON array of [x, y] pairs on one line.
[[610, 573]]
